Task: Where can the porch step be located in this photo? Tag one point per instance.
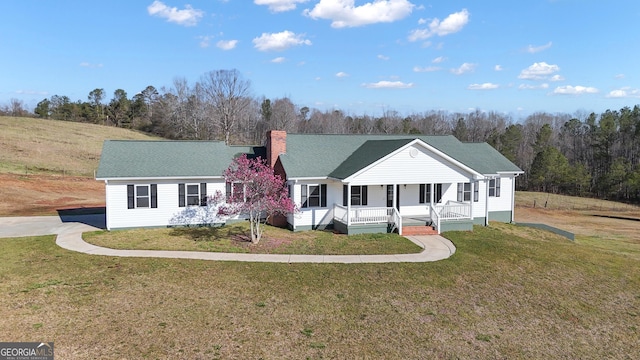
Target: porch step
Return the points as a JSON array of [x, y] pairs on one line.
[[419, 230]]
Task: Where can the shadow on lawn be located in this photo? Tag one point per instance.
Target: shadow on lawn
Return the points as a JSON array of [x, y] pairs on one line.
[[213, 233]]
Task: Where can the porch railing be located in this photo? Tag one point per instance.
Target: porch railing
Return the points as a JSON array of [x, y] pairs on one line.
[[368, 215], [451, 210]]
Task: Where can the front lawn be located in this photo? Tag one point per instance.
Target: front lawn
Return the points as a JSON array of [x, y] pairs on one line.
[[507, 293], [235, 238]]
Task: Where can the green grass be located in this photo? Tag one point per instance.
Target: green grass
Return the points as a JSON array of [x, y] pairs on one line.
[[508, 292], [235, 239]]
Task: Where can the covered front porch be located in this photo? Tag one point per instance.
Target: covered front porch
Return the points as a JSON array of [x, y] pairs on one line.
[[392, 207]]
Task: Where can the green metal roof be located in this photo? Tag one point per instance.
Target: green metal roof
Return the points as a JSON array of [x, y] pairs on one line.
[[340, 156], [157, 159]]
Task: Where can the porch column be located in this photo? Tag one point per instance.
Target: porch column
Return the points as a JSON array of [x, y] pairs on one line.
[[473, 191], [486, 203], [396, 201], [348, 204]]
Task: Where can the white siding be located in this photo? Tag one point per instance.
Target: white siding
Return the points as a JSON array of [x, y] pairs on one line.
[[315, 215], [118, 216], [403, 168], [478, 208], [502, 203]]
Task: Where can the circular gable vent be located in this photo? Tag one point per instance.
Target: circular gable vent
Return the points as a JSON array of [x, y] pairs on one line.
[[413, 152]]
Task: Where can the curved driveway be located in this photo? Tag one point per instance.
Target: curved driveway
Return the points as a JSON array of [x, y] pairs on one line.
[[69, 236]]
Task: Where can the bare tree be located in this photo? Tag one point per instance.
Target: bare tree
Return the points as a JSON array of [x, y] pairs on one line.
[[228, 95], [283, 115]]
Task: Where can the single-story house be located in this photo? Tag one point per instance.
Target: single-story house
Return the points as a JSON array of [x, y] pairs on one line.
[[351, 183]]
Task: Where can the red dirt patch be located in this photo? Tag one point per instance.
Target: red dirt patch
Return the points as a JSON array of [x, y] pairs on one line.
[[30, 195]]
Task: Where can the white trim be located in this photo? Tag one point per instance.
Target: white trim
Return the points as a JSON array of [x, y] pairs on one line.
[[424, 145], [185, 178]]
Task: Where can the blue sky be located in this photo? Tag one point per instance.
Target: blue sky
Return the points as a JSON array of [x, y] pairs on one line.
[[363, 57]]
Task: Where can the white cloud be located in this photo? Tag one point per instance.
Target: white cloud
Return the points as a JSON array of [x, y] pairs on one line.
[[439, 59], [31, 92], [227, 44], [279, 5], [279, 41], [451, 24], [278, 60], [557, 78], [205, 41], [619, 76], [538, 71], [533, 87], [388, 85], [90, 65], [574, 90], [187, 16], [342, 74], [485, 86], [383, 57], [498, 68], [344, 13], [625, 92], [464, 68], [426, 69], [536, 49]]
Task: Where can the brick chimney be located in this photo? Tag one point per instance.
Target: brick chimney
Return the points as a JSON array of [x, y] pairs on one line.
[[276, 145]]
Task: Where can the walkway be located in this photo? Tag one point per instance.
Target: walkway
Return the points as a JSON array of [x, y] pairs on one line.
[[69, 231]]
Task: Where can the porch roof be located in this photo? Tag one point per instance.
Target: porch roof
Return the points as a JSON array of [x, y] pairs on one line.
[[340, 156]]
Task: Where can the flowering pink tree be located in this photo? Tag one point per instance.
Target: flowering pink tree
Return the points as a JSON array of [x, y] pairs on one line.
[[253, 189]]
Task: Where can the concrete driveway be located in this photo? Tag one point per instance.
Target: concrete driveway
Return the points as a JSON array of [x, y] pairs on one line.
[[69, 236]]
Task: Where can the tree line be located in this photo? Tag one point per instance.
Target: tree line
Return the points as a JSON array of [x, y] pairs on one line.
[[584, 154]]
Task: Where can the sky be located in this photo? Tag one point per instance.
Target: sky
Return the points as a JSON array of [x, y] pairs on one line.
[[362, 57]]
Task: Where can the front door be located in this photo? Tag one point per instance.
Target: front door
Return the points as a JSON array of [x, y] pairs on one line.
[[389, 196]]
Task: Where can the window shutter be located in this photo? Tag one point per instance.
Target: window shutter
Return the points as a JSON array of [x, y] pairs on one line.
[[304, 196], [227, 193], [154, 196], [181, 200], [460, 187], [422, 193], [345, 195], [498, 181], [363, 194], [323, 195], [131, 199], [203, 194]]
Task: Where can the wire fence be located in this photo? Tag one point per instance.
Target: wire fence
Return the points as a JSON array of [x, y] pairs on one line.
[[36, 170], [562, 202]]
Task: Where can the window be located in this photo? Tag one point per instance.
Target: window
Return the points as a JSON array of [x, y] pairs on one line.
[[235, 192], [358, 195], [494, 187], [192, 194], [314, 195], [475, 191], [142, 196], [464, 191], [438, 193], [425, 194]]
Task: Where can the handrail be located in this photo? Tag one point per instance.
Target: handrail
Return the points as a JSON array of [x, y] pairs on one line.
[[397, 219], [435, 217]]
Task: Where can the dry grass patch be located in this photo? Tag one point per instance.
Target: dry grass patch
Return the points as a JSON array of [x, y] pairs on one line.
[[36, 146], [504, 294], [235, 238]]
